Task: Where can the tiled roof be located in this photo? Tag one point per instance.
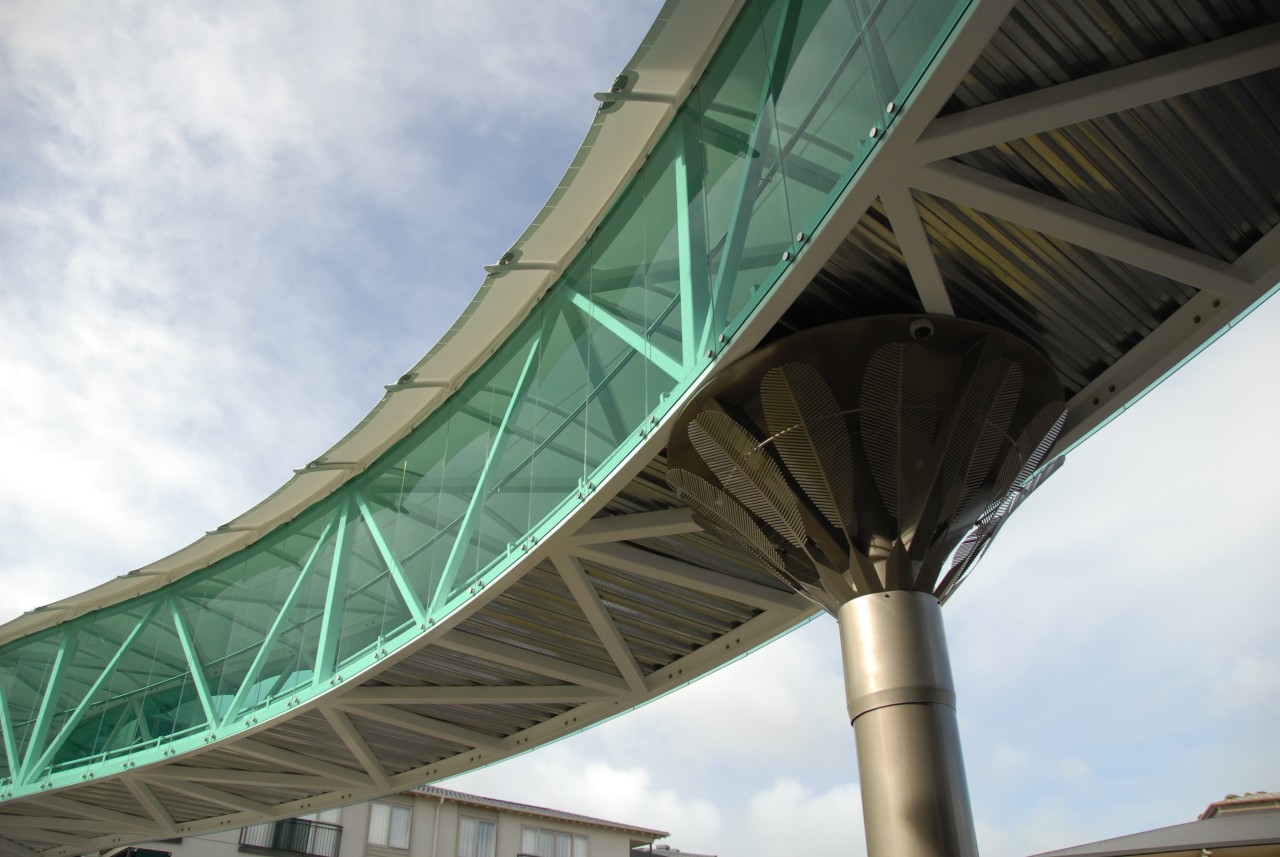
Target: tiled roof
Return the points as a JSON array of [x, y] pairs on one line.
[[1241, 803], [1233, 828], [538, 812]]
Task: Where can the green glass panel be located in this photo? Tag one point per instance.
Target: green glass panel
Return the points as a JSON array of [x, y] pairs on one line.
[[634, 288], [99, 718], [373, 607], [619, 259], [81, 666], [215, 613], [468, 447], [616, 410], [26, 673], [412, 489], [503, 517], [496, 385], [291, 659], [910, 34], [661, 292], [508, 505], [563, 379], [826, 107], [748, 225], [273, 592], [167, 694]]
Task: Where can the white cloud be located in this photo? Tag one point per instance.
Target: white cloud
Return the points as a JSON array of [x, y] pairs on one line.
[[759, 703], [790, 819], [779, 816], [633, 794]]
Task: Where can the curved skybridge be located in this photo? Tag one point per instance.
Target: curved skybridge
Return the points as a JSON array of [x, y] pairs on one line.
[[495, 558]]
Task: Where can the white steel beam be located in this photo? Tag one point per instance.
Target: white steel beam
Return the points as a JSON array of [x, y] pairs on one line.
[[355, 743], [13, 849], [968, 40], [1260, 264], [297, 761], [192, 773], [52, 823], [917, 252], [1178, 337], [1079, 226], [666, 570], [57, 837], [575, 578], [473, 695], [427, 726], [150, 803], [513, 656], [1158, 79], [642, 525], [217, 797], [97, 813]]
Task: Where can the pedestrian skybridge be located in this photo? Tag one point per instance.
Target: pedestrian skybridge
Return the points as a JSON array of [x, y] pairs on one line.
[[493, 558]]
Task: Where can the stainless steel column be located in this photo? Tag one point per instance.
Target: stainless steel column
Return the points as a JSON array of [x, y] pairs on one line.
[[902, 700]]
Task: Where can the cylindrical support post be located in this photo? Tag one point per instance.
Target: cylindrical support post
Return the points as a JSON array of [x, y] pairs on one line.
[[902, 704]]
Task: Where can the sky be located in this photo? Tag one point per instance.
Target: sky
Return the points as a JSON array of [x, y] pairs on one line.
[[223, 227]]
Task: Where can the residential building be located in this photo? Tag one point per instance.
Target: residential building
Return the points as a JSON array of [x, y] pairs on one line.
[[424, 822], [1245, 825]]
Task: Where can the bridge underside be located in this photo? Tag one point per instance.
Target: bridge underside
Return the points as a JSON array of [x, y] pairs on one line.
[[1105, 186]]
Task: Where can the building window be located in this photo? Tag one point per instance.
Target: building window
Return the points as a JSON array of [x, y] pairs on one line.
[[537, 842], [477, 837], [389, 825]]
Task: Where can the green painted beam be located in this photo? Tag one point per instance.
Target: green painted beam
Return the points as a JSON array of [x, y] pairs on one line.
[[39, 734], [269, 640], [69, 725], [193, 663], [335, 601], [393, 567], [460, 544]]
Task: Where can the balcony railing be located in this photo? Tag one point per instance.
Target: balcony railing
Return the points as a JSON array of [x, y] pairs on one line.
[[292, 836]]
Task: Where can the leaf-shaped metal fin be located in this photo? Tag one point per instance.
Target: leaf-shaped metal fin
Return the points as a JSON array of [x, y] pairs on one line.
[[725, 515], [898, 416], [982, 427], [809, 431], [1033, 444], [748, 473], [979, 539]]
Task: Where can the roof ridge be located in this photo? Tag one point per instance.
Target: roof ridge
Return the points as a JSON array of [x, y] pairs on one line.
[[532, 809]]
